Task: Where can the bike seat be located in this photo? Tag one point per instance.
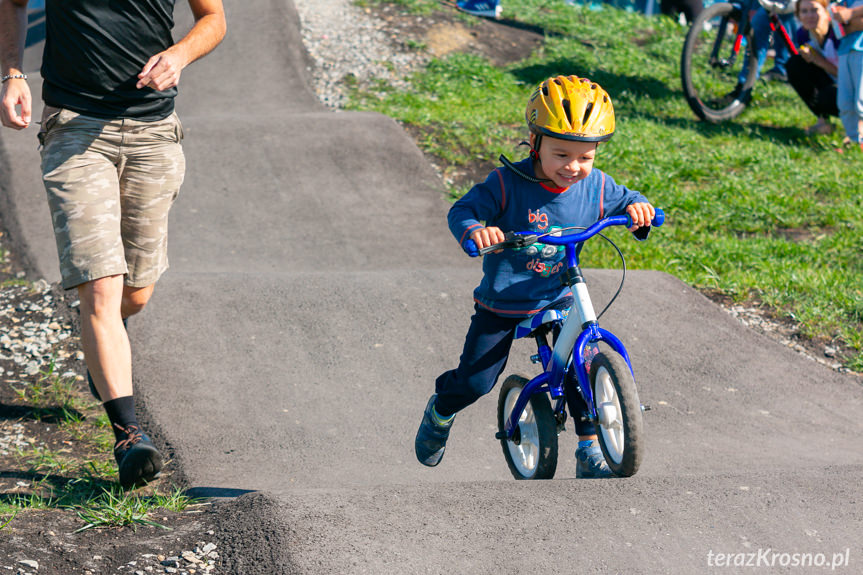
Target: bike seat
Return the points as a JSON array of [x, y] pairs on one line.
[[528, 326]]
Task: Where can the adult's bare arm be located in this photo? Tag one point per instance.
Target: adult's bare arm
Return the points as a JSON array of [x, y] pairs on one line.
[[14, 91], [848, 15], [854, 24], [163, 70]]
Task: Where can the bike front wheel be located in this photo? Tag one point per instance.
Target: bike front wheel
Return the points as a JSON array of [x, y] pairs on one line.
[[532, 452], [619, 422], [711, 64]]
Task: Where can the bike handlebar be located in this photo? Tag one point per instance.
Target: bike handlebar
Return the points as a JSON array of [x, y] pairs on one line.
[[524, 239]]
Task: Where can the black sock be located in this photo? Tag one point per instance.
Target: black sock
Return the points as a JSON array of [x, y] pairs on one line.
[[121, 412]]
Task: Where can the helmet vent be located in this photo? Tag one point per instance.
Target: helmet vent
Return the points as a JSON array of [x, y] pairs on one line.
[[567, 110], [587, 110], [544, 90]]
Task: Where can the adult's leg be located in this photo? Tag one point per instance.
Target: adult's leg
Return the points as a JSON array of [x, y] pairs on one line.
[[815, 87], [761, 40], [103, 337], [850, 93], [135, 299], [691, 9]]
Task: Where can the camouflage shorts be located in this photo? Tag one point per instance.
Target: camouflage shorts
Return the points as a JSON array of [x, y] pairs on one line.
[[110, 186]]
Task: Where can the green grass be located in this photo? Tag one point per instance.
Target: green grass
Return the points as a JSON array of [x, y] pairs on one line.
[[414, 6], [84, 484], [115, 508], [53, 396], [756, 209]]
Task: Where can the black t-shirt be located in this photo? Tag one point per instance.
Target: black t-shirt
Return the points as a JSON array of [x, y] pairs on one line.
[[94, 50]]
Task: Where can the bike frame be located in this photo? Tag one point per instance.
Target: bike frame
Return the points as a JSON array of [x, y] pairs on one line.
[[578, 329]]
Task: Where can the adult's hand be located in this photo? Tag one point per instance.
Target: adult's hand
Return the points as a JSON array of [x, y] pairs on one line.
[[162, 71], [15, 92], [843, 13]]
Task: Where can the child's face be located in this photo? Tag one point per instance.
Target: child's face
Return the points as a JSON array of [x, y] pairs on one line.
[[564, 162]]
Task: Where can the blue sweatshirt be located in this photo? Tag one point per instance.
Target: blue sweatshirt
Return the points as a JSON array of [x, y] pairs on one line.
[[521, 282]]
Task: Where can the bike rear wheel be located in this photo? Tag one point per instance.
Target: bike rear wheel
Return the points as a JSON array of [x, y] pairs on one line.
[[619, 422], [710, 67], [532, 452]]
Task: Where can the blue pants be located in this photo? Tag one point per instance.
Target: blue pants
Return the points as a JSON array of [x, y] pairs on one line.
[[761, 39], [486, 350], [850, 93]]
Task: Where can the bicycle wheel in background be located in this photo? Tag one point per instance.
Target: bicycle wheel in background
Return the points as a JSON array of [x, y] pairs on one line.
[[618, 410], [532, 452], [709, 66]]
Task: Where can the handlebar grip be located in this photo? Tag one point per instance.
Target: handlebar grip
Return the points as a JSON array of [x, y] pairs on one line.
[[658, 219], [470, 248]]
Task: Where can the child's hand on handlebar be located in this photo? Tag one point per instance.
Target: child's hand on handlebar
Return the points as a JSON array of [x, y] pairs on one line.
[[485, 237], [641, 214]]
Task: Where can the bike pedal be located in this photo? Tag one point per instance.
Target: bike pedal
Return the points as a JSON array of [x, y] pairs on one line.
[[645, 408], [500, 435], [535, 358]]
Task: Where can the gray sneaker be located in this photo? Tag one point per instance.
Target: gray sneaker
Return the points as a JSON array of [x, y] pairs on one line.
[[590, 462], [138, 460], [431, 437]]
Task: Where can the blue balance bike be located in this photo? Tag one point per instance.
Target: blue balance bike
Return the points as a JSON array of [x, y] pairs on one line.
[[528, 424]]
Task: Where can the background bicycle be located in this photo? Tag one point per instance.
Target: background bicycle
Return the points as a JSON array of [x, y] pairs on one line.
[[717, 51]]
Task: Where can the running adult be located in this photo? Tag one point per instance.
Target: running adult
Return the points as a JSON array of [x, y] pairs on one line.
[[112, 165]]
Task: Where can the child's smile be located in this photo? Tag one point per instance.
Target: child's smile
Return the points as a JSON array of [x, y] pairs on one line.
[[564, 162]]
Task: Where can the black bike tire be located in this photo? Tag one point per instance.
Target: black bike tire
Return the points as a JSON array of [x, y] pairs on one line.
[[719, 10], [546, 427], [630, 407]]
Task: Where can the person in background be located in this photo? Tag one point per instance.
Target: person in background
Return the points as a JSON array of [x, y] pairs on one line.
[[849, 83], [689, 8], [812, 71], [764, 37], [485, 8]]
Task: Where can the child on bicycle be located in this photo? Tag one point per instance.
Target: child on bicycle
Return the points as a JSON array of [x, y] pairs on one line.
[[555, 187]]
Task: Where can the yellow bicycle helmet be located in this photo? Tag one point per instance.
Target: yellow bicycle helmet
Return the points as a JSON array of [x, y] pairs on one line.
[[570, 108]]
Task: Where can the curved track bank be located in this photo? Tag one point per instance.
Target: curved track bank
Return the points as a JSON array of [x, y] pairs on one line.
[[314, 296]]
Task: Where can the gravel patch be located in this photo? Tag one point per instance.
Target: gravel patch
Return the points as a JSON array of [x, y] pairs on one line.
[[198, 561], [351, 47], [786, 334], [35, 328]]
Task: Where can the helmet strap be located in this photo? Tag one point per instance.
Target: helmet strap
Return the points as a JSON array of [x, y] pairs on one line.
[[534, 150], [505, 161]]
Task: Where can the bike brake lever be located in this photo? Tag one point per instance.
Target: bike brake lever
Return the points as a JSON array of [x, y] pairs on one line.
[[511, 240]]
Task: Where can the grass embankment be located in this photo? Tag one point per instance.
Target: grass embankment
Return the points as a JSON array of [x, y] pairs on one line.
[[82, 480], [756, 209]]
